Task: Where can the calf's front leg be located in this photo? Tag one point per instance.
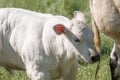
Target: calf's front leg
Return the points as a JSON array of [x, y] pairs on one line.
[[71, 75], [35, 74]]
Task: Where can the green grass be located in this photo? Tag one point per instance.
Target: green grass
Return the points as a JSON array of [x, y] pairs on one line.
[[18, 75], [65, 8]]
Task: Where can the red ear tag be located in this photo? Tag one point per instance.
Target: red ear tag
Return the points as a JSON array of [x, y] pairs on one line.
[[59, 29]]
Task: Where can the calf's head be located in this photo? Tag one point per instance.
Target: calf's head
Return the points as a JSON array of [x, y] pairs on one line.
[[73, 37], [83, 39]]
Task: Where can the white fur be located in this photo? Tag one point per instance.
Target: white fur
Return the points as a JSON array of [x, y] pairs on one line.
[[29, 42]]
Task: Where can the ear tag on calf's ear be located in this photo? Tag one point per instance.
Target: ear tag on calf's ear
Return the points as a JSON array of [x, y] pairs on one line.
[[59, 29]]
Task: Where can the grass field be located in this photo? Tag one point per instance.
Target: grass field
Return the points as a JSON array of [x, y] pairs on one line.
[[63, 7]]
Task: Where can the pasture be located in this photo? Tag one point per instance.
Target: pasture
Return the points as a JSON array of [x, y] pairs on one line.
[[65, 8]]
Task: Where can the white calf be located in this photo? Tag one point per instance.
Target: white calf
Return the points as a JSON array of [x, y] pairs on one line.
[[46, 46]]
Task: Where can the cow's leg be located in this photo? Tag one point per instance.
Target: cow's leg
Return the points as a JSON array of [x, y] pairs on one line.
[[72, 73], [114, 64], [36, 74], [115, 70]]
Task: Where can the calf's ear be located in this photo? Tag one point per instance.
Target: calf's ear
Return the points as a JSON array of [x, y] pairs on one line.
[[59, 29], [79, 16]]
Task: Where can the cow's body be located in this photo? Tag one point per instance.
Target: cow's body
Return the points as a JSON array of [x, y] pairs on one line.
[[28, 42], [106, 16], [15, 26]]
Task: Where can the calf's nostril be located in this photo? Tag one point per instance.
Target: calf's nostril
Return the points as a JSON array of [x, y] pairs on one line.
[[95, 58]]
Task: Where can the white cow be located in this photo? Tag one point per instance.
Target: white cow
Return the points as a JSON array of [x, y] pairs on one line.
[[106, 18], [46, 46]]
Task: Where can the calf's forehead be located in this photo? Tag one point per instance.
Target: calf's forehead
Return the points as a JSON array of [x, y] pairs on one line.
[[83, 32], [88, 32]]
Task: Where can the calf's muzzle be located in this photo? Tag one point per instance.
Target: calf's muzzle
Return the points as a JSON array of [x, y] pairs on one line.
[[94, 55]]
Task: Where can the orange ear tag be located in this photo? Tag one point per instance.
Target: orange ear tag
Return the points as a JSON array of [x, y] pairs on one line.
[[59, 29]]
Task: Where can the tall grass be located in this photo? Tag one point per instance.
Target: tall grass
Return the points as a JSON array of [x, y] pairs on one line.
[[65, 8], [62, 7]]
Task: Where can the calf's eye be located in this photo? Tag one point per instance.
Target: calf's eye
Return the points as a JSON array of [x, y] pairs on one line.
[[77, 40]]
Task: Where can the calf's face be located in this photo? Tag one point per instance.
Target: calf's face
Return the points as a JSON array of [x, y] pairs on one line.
[[82, 39], [78, 37]]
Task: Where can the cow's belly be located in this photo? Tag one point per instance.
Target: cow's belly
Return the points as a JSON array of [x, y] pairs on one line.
[[11, 61], [11, 65], [109, 25], [113, 32]]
